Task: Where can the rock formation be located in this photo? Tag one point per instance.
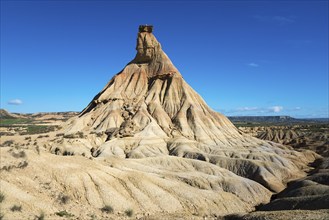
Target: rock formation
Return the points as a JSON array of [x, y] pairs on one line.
[[150, 121], [149, 99]]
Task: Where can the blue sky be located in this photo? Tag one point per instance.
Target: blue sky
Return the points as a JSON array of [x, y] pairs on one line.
[[242, 57]]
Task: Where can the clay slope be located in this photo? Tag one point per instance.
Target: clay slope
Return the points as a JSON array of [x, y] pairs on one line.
[[280, 135], [299, 137], [309, 193], [51, 183], [305, 198]]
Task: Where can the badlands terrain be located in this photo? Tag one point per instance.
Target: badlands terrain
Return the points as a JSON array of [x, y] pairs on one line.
[[310, 134], [149, 147]]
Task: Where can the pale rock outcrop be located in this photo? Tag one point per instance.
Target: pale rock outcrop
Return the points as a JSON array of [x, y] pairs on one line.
[[148, 113]]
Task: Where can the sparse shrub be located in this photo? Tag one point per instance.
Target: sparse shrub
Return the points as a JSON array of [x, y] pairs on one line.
[[2, 197], [6, 168], [16, 208], [93, 217], [57, 151], [98, 134], [63, 199], [107, 209], [43, 136], [64, 213], [69, 136], [27, 138], [80, 134], [16, 146], [1, 216], [59, 134], [22, 164], [8, 143], [76, 135], [129, 212], [20, 154], [37, 129], [60, 141], [40, 217], [232, 217], [68, 153], [6, 134]]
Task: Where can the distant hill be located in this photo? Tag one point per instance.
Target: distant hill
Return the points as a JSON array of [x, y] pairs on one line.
[[4, 114], [274, 119]]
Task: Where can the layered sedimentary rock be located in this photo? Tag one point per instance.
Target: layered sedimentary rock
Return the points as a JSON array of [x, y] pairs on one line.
[[147, 114]]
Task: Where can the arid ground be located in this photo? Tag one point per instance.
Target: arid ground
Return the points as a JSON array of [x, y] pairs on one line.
[[33, 178]]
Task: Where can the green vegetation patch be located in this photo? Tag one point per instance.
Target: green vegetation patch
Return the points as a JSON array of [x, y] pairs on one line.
[[37, 129], [13, 121], [16, 208], [64, 213], [2, 197], [129, 212], [107, 209], [63, 199], [26, 126], [40, 217], [8, 143]]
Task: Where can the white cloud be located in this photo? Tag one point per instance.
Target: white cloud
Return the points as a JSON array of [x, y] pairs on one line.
[[255, 110], [253, 64], [15, 102], [283, 20], [244, 109], [298, 112], [275, 109], [278, 19]]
